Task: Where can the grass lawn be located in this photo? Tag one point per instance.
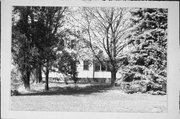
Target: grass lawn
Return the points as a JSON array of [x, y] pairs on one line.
[[86, 98]]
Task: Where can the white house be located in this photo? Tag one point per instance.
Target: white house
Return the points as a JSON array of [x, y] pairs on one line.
[[92, 70], [89, 71]]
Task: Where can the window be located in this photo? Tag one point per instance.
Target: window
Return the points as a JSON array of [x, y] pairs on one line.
[[86, 65], [103, 67], [108, 66], [97, 67]]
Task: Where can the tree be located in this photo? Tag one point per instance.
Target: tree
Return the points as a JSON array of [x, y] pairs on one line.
[[148, 60], [40, 26], [22, 48], [67, 64], [107, 30], [53, 21], [49, 22], [67, 57]]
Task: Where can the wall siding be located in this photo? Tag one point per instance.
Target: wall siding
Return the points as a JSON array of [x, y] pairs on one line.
[[97, 74]]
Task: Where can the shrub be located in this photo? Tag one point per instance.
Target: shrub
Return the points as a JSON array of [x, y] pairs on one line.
[[15, 75], [14, 92]]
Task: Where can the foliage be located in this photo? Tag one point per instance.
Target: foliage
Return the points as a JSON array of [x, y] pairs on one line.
[[15, 76], [23, 55], [133, 41], [34, 37], [148, 60], [67, 64]]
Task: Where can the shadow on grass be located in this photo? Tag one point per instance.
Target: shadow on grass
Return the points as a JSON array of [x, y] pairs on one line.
[[70, 90]]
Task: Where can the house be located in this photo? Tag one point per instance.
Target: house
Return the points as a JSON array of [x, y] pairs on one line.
[[94, 71], [88, 72]]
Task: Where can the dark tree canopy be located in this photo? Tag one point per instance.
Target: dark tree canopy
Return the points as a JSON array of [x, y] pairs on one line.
[[67, 64], [35, 31]]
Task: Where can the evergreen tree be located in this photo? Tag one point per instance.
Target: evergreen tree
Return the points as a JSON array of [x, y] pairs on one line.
[[24, 54], [148, 61], [35, 32]]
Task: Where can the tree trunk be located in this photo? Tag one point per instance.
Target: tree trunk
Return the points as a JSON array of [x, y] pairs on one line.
[[75, 78], [93, 69], [47, 77], [39, 74], [33, 76], [26, 80], [36, 75], [113, 78]]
